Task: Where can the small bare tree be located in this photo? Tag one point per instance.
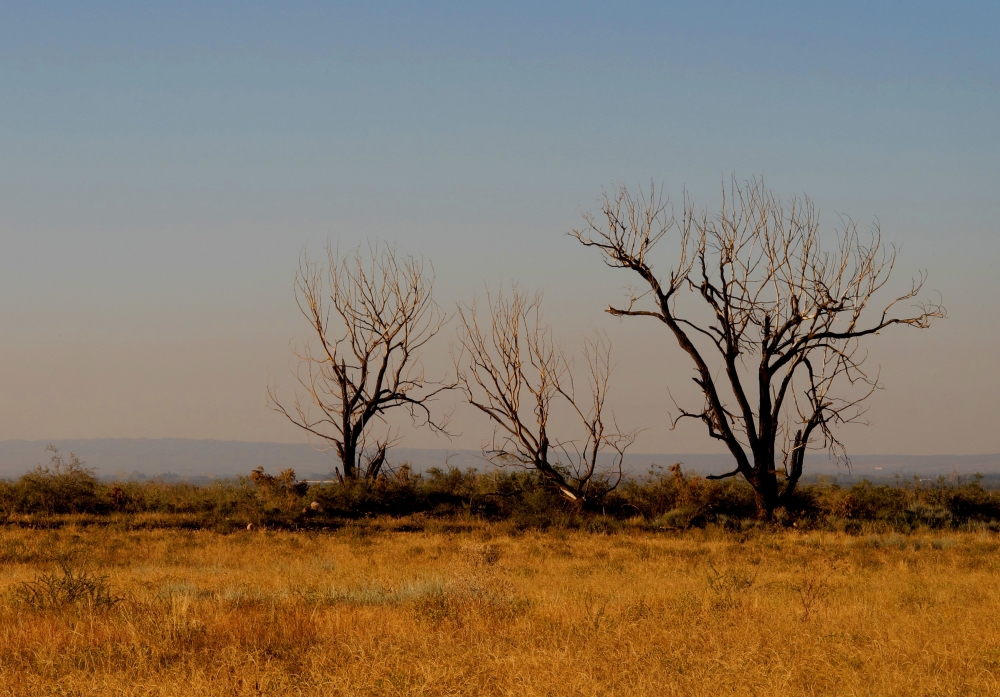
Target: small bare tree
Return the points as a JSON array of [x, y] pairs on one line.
[[512, 371], [370, 314], [782, 316]]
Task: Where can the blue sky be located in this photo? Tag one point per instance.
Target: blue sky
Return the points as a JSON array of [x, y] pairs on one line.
[[163, 167]]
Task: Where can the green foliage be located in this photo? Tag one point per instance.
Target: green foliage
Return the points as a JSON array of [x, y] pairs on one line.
[[437, 492], [59, 487], [674, 500], [663, 500]]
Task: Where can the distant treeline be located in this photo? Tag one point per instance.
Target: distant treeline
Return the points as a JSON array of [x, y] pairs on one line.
[[663, 500]]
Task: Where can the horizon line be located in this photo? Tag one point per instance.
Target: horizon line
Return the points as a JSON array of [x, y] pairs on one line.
[[445, 449]]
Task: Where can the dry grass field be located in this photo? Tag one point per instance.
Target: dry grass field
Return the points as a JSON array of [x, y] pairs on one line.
[[475, 610]]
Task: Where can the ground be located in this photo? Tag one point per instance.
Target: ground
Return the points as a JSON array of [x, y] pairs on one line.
[[477, 609]]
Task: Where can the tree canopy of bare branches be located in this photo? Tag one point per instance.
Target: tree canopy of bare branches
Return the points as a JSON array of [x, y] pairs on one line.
[[772, 321], [512, 371], [370, 313]]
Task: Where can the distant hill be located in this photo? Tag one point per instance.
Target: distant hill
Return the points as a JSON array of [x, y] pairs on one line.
[[206, 459]]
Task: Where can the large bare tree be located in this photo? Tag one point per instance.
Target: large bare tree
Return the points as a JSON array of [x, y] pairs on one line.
[[370, 313], [512, 371], [771, 319]]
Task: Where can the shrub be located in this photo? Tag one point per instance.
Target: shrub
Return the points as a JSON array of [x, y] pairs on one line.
[[675, 499], [971, 502], [279, 494], [59, 487], [866, 501], [668, 500], [69, 587]]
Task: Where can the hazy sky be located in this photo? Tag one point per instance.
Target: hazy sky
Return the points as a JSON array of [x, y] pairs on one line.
[[163, 166]]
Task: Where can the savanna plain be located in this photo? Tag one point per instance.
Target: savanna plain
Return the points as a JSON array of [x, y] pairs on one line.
[[390, 608]]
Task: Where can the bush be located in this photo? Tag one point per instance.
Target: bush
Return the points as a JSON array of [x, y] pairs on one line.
[[675, 500], [55, 590], [281, 494], [667, 500], [59, 487], [866, 501], [970, 502]]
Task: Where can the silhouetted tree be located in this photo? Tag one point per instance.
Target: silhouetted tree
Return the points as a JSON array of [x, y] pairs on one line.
[[371, 312], [512, 371], [776, 340]]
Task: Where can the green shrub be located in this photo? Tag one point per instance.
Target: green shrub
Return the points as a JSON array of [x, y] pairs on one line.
[[667, 500], [674, 499], [59, 487], [971, 502]]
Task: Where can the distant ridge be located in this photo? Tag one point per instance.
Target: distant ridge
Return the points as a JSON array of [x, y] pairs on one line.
[[197, 459]]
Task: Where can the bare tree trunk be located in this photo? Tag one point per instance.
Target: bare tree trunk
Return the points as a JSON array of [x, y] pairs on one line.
[[765, 486], [349, 461]]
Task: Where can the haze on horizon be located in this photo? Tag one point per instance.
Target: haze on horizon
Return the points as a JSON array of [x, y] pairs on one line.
[[164, 167]]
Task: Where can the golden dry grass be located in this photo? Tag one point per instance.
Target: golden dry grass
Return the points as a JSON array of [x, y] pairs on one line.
[[481, 612]]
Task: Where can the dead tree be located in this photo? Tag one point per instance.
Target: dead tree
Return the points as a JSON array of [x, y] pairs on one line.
[[370, 313], [512, 371], [772, 321]]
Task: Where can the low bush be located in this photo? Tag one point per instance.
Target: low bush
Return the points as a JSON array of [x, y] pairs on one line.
[[64, 587], [665, 500], [60, 487]]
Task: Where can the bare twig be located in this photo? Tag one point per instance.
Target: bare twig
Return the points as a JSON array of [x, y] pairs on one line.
[[512, 371]]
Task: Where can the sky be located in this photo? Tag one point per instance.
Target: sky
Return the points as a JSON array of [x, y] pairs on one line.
[[164, 166]]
